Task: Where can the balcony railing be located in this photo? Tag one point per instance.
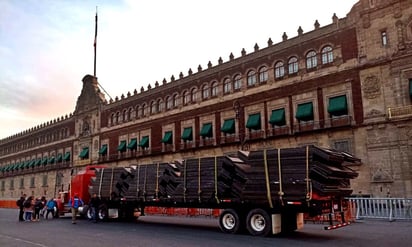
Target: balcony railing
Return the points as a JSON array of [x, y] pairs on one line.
[[400, 112]]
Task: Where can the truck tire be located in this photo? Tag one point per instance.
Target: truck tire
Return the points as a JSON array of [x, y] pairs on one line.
[[230, 222], [103, 213], [258, 222]]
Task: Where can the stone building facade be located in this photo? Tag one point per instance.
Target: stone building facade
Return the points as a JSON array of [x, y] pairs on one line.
[[347, 85]]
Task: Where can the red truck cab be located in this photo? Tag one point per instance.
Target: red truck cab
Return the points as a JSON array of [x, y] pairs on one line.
[[79, 184]]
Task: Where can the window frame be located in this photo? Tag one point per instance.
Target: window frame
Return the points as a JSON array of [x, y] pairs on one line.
[[251, 78], [327, 54], [263, 74], [293, 66], [279, 69], [311, 60]]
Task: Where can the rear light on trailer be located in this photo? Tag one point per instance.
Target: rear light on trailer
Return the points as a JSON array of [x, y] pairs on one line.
[[294, 203], [333, 227]]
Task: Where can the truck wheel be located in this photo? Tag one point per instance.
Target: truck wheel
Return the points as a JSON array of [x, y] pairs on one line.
[[89, 213], [229, 221], [102, 213], [258, 222]]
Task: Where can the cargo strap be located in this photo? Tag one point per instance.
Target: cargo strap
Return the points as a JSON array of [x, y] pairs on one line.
[[269, 196], [100, 184], [280, 193], [184, 181], [138, 181], [216, 197], [111, 183], [199, 191], [308, 183], [157, 181]]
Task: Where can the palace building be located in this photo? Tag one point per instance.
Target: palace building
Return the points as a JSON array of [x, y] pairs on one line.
[[346, 85]]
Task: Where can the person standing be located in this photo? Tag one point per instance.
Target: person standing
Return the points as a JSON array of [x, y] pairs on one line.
[[38, 206], [20, 204], [75, 203], [28, 208], [94, 207], [50, 206]]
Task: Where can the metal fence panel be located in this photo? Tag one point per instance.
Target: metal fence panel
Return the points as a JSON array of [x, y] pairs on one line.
[[381, 208]]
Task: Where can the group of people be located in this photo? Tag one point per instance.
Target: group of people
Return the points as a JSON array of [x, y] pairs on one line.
[[31, 208]]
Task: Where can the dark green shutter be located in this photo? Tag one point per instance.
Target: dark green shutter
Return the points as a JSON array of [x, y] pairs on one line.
[[206, 130], [59, 158], [122, 146], [304, 112], [410, 87], [187, 134], [144, 142], [168, 137], [338, 106], [66, 156], [253, 122], [228, 126], [278, 117], [132, 144], [103, 150], [84, 154]]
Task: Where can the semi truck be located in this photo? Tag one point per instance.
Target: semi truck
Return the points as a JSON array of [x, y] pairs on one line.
[[260, 192]]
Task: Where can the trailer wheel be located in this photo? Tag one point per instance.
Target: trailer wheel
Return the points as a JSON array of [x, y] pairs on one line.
[[229, 221], [258, 222]]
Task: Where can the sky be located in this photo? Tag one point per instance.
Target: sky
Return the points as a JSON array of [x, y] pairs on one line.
[[46, 46]]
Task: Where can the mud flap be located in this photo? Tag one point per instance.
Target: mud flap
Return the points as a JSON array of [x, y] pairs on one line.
[[113, 213], [276, 223]]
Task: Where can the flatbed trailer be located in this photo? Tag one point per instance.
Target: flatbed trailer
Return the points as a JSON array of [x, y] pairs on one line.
[[262, 192]]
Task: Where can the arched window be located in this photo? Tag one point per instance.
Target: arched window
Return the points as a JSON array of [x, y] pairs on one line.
[[124, 117], [205, 91], [160, 105], [129, 114], [293, 65], [311, 60], [113, 119], [227, 86], [279, 70], [153, 107], [186, 97], [237, 82], [175, 100], [327, 55], [169, 103], [193, 95], [251, 78], [215, 89], [144, 110], [263, 74], [138, 112], [117, 117]]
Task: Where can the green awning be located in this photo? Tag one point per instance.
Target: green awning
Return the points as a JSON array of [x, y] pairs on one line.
[[13, 167], [278, 117], [338, 106], [122, 146], [187, 134], [38, 162], [84, 154], [44, 161], [253, 122], [132, 144], [51, 160], [206, 130], [32, 162], [103, 149], [168, 137], [27, 164], [144, 142], [66, 156], [21, 165], [59, 158], [304, 112], [229, 126], [410, 87]]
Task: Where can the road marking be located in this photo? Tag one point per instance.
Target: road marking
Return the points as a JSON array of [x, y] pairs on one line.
[[22, 240]]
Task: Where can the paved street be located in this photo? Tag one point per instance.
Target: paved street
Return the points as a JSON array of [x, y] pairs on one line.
[[176, 231]]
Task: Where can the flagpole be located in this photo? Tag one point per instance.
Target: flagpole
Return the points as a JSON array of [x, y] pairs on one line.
[[95, 43]]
